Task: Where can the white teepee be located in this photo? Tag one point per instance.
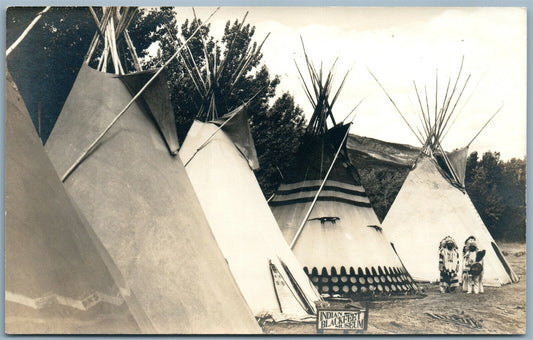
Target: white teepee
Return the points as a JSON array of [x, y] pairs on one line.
[[219, 156], [433, 202], [134, 192], [428, 208]]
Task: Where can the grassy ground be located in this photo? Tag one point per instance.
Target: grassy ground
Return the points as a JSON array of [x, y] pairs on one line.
[[499, 311]]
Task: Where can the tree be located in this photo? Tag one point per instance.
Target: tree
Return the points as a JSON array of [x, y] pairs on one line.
[[277, 134], [44, 66], [46, 63], [276, 129], [497, 190], [382, 185]]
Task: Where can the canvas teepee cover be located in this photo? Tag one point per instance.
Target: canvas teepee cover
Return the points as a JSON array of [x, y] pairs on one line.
[[270, 277], [341, 246], [58, 276], [433, 202], [140, 202], [335, 235], [219, 156], [428, 208]]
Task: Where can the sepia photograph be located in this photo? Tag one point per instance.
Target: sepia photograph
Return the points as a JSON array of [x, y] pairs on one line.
[[265, 170]]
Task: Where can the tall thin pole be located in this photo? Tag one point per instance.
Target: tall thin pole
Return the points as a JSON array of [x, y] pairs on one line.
[[26, 31], [101, 26], [212, 135], [88, 150], [318, 192], [488, 121], [355, 108], [436, 93], [445, 122], [426, 126], [39, 117], [396, 107]]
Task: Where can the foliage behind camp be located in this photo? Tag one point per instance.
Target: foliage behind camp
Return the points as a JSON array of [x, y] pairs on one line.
[[496, 187], [498, 190], [276, 127], [46, 63]]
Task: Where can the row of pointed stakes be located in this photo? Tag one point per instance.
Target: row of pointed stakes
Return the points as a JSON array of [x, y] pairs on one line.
[[371, 281]]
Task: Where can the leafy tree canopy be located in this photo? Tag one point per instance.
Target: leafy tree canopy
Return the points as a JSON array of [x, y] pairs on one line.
[[45, 66], [276, 127], [496, 188]]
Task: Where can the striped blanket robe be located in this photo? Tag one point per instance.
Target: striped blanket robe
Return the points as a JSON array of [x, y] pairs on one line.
[[448, 267]]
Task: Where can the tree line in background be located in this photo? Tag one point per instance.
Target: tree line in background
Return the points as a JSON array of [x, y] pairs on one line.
[[52, 54], [497, 189], [276, 123]]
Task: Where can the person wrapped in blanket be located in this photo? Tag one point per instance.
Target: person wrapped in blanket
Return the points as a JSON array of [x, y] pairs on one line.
[[465, 273], [448, 265], [472, 267]]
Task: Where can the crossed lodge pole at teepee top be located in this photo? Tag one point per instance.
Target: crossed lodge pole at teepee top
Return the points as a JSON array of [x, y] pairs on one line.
[[322, 107], [208, 87], [99, 138], [435, 125], [111, 27]]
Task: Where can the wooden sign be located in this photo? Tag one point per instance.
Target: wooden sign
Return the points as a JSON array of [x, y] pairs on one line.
[[329, 319]]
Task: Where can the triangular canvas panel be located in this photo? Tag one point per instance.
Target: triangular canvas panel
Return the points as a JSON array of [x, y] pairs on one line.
[[240, 218], [141, 204], [429, 208], [457, 160], [235, 125], [341, 244], [58, 277], [156, 100], [289, 301]]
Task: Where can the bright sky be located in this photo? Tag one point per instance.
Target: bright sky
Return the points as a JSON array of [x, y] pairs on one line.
[[400, 45]]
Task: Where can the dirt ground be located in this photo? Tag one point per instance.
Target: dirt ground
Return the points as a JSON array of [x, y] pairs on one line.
[[499, 311]]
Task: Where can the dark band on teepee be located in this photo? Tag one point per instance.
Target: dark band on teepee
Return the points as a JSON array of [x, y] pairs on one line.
[[321, 201]]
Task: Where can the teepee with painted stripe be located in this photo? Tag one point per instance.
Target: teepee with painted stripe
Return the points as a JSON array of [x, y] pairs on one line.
[[324, 212], [219, 156], [433, 202], [59, 279], [118, 159]]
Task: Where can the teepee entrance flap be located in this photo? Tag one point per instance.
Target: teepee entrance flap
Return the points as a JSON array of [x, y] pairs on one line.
[[458, 160]]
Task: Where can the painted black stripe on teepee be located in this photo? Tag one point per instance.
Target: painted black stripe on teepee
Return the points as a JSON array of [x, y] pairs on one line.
[[325, 188], [320, 198]]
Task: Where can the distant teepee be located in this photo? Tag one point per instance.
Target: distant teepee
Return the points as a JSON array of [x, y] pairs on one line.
[[219, 156], [433, 202], [125, 176], [324, 212]]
